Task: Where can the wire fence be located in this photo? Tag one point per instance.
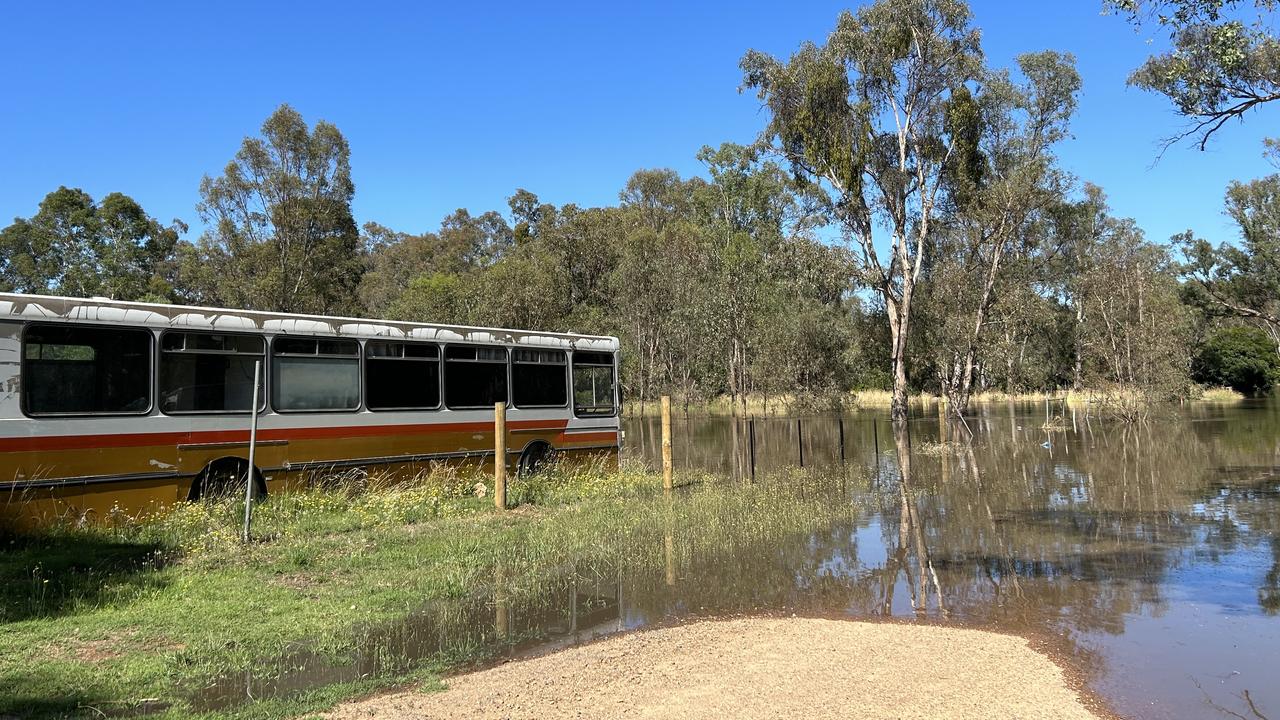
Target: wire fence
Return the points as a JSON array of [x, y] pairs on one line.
[[746, 447]]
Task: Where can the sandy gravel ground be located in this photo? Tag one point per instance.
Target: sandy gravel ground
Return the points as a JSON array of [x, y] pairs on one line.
[[760, 668]]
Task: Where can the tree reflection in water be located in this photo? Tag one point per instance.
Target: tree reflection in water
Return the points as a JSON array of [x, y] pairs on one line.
[[1149, 552]]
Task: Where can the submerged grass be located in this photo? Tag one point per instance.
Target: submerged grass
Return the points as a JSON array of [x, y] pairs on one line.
[[134, 614], [1101, 400]]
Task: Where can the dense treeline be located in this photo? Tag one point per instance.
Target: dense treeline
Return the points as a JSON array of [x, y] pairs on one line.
[[902, 223]]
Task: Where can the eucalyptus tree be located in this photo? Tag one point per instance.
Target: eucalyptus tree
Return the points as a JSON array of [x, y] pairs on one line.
[[1003, 178], [1080, 229], [528, 215], [865, 117], [658, 197], [1242, 279], [1224, 60], [666, 287], [1137, 332], [467, 242], [76, 246], [280, 231], [393, 259], [747, 207]]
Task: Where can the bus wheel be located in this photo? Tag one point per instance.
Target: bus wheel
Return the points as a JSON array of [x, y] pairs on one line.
[[535, 458], [225, 477]]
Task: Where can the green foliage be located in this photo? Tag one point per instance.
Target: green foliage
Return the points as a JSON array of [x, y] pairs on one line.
[[74, 246], [1222, 62], [1241, 279], [819, 129], [968, 168], [435, 298], [281, 235], [1242, 358]]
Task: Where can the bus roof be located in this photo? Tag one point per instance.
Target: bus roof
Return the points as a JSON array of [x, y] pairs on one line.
[[26, 308]]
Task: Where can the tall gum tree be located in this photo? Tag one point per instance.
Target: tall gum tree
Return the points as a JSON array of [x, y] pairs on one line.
[[864, 116], [281, 235], [1003, 182], [749, 207]]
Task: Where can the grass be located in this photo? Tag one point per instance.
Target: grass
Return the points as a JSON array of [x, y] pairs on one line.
[[143, 612]]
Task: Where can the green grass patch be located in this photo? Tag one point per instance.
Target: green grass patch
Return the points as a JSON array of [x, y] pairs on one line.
[[147, 613]]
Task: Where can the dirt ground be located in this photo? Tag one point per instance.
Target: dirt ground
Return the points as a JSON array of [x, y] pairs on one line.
[[760, 668]]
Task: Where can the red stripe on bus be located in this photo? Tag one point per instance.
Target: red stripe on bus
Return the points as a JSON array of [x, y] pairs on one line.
[[87, 442]]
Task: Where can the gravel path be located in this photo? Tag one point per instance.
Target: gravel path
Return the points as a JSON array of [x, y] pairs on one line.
[[760, 668]]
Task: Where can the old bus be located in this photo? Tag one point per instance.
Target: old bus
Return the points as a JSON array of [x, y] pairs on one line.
[[106, 403]]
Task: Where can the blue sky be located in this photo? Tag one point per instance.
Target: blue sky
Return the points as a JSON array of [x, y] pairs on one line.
[[451, 105]]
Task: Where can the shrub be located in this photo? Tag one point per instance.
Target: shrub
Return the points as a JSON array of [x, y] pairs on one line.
[[1243, 358]]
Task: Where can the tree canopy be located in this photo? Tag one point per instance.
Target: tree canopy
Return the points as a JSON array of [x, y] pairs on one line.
[[280, 231], [76, 246], [1224, 59], [902, 222]]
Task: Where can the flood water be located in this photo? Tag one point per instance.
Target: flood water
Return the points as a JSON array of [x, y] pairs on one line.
[[1145, 556], [1149, 553]]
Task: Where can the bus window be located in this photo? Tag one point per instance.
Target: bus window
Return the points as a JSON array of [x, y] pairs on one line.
[[593, 384], [78, 370], [401, 376], [208, 372], [474, 376], [310, 374], [539, 378]]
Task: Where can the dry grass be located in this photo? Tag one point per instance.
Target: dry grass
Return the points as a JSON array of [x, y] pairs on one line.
[[760, 406], [1219, 395]]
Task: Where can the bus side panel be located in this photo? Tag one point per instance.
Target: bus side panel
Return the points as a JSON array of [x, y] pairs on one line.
[[76, 504], [10, 369], [376, 452], [589, 446]]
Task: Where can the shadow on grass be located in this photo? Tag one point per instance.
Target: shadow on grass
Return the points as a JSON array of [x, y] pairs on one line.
[[52, 575], [16, 704]]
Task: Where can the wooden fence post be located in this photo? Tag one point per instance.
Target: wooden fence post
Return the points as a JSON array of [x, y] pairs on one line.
[[751, 441], [800, 440], [875, 440], [500, 455], [667, 482], [841, 421]]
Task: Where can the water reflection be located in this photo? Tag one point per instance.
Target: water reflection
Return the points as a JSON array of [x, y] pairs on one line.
[[1149, 555], [577, 612]]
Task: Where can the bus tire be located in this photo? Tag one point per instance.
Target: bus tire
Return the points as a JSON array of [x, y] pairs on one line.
[[537, 456], [223, 477]]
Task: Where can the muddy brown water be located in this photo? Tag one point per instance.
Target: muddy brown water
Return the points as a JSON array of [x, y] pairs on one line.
[[1145, 556]]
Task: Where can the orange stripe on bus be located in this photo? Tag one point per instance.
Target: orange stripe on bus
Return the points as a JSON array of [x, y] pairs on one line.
[[564, 437], [84, 442]]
